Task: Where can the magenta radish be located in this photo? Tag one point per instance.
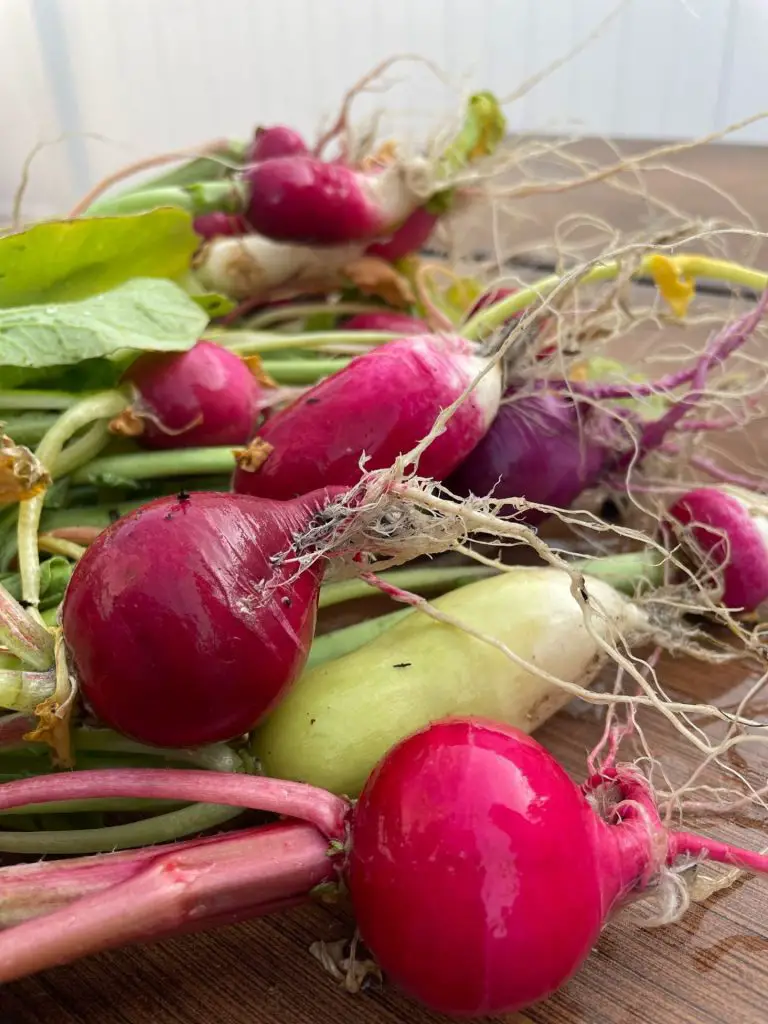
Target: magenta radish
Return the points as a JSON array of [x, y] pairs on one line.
[[302, 199], [277, 140], [182, 628], [386, 320], [379, 406], [730, 533], [216, 225], [408, 238], [205, 396], [480, 875]]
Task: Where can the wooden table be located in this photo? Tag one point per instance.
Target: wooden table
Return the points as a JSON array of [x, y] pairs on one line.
[[712, 967]]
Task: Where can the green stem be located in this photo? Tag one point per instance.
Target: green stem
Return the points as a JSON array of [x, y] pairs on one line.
[[101, 406], [302, 371], [192, 172], [29, 429], [138, 806], [85, 448], [688, 265], [257, 342], [334, 645], [198, 198], [161, 829], [628, 571], [28, 640], [421, 580], [23, 691], [216, 757], [21, 400], [151, 465], [301, 310]]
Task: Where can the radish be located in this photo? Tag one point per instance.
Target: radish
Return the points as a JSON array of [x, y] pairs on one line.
[[341, 717], [277, 140], [183, 625], [386, 321], [377, 407], [302, 199], [480, 875], [215, 225], [730, 533], [541, 447], [409, 237], [204, 397]]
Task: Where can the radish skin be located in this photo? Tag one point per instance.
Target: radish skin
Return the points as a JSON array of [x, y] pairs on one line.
[[303, 199], [276, 140], [381, 404], [730, 527], [398, 323], [413, 233], [341, 717]]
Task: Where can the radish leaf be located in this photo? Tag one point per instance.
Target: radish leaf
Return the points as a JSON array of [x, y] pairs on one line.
[[141, 315], [62, 261]]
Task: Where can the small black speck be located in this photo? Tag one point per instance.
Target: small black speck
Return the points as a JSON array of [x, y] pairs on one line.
[[584, 594], [312, 721], [25, 604], [114, 515], [167, 516], [182, 496], [403, 664], [286, 601], [311, 401]]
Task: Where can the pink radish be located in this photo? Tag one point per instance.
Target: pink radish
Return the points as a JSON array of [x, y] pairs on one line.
[[277, 140], [206, 396], [480, 875], [302, 199], [181, 627], [386, 321], [730, 528], [409, 237], [379, 406]]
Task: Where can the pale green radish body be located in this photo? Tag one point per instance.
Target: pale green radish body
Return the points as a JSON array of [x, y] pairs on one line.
[[341, 717]]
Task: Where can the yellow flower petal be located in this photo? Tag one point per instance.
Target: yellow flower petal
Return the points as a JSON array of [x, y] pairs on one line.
[[677, 289]]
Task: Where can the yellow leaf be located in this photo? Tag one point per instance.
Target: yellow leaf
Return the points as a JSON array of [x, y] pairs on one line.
[[22, 475], [677, 289], [373, 276]]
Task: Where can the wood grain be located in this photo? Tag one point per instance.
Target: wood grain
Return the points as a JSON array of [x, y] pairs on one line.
[[712, 968]]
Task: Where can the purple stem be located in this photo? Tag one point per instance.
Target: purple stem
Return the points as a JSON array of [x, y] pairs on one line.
[[325, 811], [175, 892]]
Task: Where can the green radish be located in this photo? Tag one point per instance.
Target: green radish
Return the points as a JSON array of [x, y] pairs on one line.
[[342, 716]]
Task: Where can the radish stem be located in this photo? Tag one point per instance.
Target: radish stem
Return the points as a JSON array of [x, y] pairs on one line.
[[255, 342], [28, 430], [693, 265], [626, 571], [101, 406], [23, 691], [300, 371], [290, 799], [336, 644], [685, 843], [31, 400], [425, 579], [151, 465], [301, 310], [26, 639]]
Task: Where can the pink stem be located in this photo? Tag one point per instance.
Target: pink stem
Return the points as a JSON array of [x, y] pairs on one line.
[[719, 473], [724, 423], [682, 843], [292, 799], [175, 892]]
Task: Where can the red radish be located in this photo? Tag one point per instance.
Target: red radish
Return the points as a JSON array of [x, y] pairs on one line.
[[730, 528], [302, 199], [480, 874], [183, 625], [278, 140], [386, 321], [412, 234], [380, 405], [215, 225], [203, 397]]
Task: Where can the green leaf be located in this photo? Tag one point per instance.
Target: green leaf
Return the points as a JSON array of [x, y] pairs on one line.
[[215, 305], [62, 261], [483, 129], [141, 315]]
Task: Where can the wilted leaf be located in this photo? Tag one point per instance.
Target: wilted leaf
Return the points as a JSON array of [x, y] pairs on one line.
[[61, 261], [374, 276], [141, 315], [22, 475]]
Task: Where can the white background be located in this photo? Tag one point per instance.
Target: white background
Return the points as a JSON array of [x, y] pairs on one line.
[[152, 75]]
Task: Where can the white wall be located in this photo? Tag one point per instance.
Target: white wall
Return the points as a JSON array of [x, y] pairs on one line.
[[151, 75]]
